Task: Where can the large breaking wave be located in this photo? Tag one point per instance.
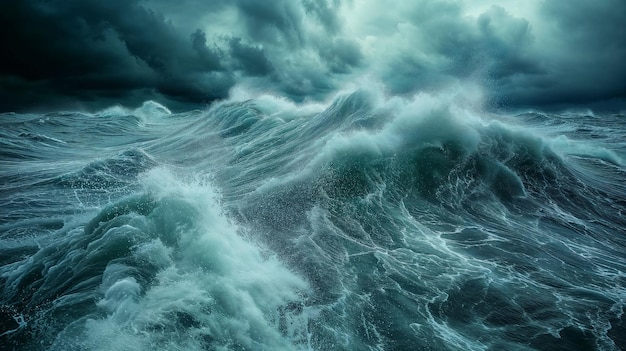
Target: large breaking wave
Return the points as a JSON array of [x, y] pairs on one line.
[[374, 223]]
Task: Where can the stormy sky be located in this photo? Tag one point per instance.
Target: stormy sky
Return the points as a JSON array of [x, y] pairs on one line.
[[187, 53]]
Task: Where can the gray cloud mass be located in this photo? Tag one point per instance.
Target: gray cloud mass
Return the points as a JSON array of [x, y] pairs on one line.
[[94, 53]]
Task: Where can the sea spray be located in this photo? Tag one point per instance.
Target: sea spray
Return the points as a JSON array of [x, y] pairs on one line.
[[168, 260], [369, 222]]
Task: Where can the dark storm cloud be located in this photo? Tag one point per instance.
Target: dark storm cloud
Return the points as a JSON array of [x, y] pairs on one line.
[[326, 12], [95, 52], [568, 53], [587, 62], [304, 55], [578, 58], [249, 59], [450, 46], [273, 21], [91, 49], [550, 53], [341, 55]]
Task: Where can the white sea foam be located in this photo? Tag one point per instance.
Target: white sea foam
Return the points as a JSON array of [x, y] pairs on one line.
[[566, 146], [215, 289], [246, 288]]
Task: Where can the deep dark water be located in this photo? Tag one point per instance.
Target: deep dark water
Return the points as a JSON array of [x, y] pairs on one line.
[[370, 224]]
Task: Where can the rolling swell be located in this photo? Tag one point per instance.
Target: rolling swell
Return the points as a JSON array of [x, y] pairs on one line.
[[438, 227], [371, 223]]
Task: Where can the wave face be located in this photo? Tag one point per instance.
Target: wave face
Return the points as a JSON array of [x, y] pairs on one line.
[[372, 223]]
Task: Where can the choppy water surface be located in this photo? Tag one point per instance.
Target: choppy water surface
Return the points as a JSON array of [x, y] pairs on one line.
[[369, 224]]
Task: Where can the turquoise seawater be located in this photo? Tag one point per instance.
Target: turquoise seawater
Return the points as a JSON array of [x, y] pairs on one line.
[[367, 223]]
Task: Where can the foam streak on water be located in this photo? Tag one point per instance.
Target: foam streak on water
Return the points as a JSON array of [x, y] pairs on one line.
[[372, 223]]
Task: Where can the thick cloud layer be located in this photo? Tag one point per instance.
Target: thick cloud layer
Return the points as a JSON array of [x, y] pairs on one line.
[[93, 53]]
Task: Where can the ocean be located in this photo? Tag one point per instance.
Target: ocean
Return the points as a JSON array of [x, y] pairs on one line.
[[370, 222]]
